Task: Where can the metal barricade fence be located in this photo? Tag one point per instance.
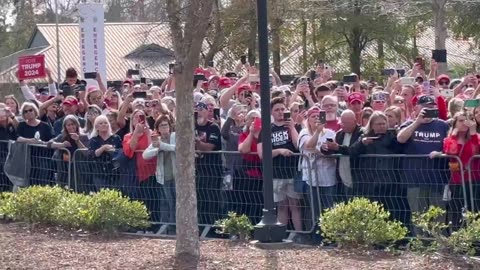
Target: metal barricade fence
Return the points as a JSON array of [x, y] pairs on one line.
[[134, 177], [5, 184], [404, 184], [231, 181], [473, 184], [49, 166], [237, 186]]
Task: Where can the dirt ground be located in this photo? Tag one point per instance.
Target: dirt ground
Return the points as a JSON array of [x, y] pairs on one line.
[[53, 249]]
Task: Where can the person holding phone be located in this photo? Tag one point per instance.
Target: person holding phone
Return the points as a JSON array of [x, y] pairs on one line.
[[377, 178], [245, 196], [379, 101], [134, 143], [92, 112], [355, 103], [311, 140], [101, 149], [426, 178], [303, 90], [462, 142], [349, 134], [298, 114], [70, 139], [231, 130], [95, 97], [443, 81], [162, 148], [330, 105], [208, 165], [212, 109], [243, 93], [284, 143]]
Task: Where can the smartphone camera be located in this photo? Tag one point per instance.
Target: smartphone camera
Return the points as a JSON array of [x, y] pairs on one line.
[[349, 78], [322, 117], [90, 75], [431, 113], [141, 117], [243, 59], [286, 116], [216, 113]]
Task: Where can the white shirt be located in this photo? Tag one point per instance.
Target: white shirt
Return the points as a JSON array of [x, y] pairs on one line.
[[322, 168], [344, 165]]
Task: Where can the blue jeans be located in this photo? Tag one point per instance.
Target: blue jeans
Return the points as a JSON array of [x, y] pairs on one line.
[[167, 202], [320, 199]]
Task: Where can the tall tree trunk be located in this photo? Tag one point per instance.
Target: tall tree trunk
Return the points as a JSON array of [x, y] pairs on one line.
[[304, 46], [188, 30], [218, 36], [314, 38], [415, 46], [275, 29], [381, 54], [355, 50], [439, 20], [275, 26], [252, 38]]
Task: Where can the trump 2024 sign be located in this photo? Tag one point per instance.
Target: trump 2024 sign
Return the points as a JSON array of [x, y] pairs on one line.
[[31, 67]]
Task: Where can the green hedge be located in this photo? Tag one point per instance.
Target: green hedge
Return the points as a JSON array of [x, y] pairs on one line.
[[360, 222], [106, 210]]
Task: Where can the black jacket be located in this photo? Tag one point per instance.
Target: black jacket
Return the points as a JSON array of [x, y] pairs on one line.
[[377, 170]]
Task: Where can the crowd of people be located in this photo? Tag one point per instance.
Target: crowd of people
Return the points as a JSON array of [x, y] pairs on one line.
[[331, 140]]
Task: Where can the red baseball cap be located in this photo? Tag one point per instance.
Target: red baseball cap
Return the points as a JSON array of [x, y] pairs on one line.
[[313, 110], [199, 71], [355, 96], [224, 82], [128, 82], [72, 101], [243, 87], [443, 77]]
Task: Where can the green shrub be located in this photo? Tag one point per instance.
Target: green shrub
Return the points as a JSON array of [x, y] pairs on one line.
[[34, 204], [464, 240], [461, 242], [433, 227], [6, 205], [111, 211], [106, 210], [235, 225], [360, 223], [75, 211]]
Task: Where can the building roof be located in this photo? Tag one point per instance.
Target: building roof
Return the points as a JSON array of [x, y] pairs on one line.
[[126, 44], [460, 53]]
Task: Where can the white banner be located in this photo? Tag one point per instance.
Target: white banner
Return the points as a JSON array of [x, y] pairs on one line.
[[92, 39]]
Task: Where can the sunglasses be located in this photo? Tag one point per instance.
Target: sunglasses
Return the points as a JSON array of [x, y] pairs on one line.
[[470, 86], [443, 83], [28, 110], [93, 112]]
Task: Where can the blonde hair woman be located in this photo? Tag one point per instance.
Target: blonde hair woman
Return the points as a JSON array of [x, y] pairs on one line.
[[318, 172], [101, 147]]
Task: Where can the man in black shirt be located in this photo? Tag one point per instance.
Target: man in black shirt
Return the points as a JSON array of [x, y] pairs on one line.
[[208, 166], [284, 144]]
